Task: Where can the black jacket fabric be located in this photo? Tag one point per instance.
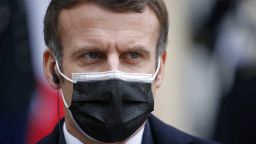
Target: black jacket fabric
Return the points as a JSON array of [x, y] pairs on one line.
[[156, 132]]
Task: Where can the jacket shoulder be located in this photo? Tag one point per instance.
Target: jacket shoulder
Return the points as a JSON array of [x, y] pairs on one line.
[[56, 136], [164, 134], [48, 140]]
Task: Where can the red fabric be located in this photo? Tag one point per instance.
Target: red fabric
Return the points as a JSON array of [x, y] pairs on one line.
[[44, 113]]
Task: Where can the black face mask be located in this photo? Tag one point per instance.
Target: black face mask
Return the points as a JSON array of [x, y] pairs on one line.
[[110, 106], [111, 110]]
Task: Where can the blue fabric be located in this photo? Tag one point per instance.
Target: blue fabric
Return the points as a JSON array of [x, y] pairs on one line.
[[156, 132]]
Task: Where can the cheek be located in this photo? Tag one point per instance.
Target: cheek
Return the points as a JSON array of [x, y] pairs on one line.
[[153, 87], [67, 89]]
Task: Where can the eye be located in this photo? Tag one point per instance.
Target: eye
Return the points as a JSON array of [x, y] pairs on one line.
[[133, 55], [93, 56]]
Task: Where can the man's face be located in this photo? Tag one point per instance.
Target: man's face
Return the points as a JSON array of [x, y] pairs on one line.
[[95, 39]]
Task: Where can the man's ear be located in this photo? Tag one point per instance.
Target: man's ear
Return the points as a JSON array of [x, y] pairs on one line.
[[160, 75], [49, 64]]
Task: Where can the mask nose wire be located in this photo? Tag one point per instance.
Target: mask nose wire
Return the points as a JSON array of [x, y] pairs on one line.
[[157, 70], [63, 75], [72, 81]]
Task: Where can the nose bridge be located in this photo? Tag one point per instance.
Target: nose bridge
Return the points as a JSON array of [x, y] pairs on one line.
[[112, 58], [113, 54], [113, 61]]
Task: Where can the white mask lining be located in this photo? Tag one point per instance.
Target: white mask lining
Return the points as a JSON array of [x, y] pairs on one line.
[[130, 77]]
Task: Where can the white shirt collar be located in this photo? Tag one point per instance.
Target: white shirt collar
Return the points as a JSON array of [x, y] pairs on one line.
[[70, 139]]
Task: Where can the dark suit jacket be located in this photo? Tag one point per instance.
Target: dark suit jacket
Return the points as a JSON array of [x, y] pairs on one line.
[[156, 132]]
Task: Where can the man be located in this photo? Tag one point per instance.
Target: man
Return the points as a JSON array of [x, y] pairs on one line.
[[107, 58]]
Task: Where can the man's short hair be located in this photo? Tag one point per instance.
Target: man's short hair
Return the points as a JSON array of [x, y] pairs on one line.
[[51, 34]]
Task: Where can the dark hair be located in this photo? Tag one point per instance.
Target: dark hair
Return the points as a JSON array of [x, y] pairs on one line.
[[51, 34]]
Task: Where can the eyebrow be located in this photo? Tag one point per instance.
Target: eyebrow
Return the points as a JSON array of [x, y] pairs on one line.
[[140, 49], [78, 50]]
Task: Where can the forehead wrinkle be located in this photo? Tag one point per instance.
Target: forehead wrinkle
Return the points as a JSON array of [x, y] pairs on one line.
[[99, 18], [100, 30], [100, 25]]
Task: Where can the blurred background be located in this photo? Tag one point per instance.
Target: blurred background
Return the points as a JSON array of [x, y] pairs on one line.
[[209, 88]]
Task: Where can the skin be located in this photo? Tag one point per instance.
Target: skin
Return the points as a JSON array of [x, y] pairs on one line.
[[95, 39]]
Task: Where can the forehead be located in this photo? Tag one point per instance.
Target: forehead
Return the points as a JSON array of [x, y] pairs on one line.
[[89, 15]]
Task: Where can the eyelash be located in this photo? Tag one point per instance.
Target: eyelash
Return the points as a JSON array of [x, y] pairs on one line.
[[99, 54], [136, 54]]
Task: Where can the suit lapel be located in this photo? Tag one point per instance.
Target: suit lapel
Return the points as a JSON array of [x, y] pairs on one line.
[[147, 135], [61, 138]]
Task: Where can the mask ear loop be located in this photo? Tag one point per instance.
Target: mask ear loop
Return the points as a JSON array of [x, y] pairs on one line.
[[68, 79], [157, 70], [64, 100], [64, 76]]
